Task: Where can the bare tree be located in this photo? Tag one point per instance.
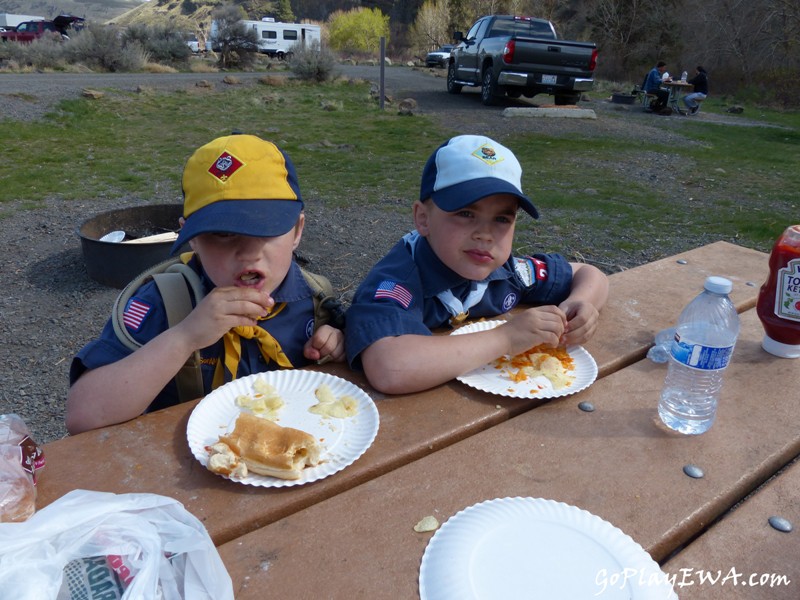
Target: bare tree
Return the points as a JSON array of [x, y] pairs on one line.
[[431, 29]]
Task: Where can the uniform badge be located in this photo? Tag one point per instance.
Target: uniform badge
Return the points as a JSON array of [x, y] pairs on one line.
[[509, 301], [524, 270], [225, 166], [394, 291], [488, 155], [309, 328], [135, 313]]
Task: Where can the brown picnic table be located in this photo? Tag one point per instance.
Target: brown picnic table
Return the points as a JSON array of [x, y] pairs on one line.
[[417, 431], [616, 462]]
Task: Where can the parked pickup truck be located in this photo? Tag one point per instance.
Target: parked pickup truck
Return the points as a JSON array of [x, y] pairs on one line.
[[519, 56], [27, 31]]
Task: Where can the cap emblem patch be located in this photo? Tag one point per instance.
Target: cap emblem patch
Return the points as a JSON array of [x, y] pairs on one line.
[[488, 155], [225, 166]]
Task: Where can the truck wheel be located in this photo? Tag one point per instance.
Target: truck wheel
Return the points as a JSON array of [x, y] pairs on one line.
[[488, 88], [452, 86], [567, 99]]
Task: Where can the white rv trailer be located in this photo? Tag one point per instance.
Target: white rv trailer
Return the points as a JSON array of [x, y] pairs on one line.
[[277, 39], [9, 21]]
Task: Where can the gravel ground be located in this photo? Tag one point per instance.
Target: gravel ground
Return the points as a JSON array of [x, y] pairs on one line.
[[49, 307]]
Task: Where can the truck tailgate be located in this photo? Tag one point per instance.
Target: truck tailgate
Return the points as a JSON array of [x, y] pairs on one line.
[[559, 57]]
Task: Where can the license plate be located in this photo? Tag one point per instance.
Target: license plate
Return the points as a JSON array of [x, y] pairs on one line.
[[549, 79]]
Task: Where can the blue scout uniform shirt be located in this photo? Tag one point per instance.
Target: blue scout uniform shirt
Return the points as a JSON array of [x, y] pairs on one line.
[[146, 318], [400, 294]]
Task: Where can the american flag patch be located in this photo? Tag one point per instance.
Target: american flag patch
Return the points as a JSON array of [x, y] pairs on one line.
[[394, 291], [135, 313]]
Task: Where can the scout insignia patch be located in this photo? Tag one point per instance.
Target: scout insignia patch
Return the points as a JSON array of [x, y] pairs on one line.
[[530, 269], [225, 166], [488, 155]]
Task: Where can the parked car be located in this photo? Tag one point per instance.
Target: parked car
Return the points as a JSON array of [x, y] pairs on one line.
[[439, 57], [60, 27]]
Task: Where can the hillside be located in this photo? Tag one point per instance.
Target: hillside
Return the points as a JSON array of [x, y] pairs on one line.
[[93, 10]]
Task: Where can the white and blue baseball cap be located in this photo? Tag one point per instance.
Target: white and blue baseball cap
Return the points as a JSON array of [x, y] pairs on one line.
[[467, 168]]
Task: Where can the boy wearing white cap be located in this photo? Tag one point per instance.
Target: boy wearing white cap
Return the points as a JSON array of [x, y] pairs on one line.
[[458, 264], [243, 218]]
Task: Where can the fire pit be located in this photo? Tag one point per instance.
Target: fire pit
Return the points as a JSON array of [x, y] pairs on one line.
[[116, 263], [620, 98]]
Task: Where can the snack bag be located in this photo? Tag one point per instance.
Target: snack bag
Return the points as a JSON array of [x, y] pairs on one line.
[[20, 458], [90, 545]]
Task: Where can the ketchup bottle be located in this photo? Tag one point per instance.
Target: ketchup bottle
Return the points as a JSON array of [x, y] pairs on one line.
[[779, 298]]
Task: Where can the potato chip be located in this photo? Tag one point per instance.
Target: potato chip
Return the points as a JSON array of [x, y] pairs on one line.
[[429, 523], [329, 405], [265, 401]]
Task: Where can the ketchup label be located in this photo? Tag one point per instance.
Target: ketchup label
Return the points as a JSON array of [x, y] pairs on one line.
[[787, 292]]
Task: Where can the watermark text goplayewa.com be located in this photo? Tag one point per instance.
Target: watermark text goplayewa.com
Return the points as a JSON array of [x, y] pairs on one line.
[[687, 577]]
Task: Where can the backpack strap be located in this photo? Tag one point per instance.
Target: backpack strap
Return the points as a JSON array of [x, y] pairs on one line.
[[327, 308], [176, 283], [174, 289]]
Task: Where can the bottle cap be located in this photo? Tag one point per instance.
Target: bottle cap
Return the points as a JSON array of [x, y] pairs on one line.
[[718, 285], [779, 348]]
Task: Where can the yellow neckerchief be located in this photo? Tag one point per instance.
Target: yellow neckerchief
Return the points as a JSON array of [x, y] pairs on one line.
[[267, 344]]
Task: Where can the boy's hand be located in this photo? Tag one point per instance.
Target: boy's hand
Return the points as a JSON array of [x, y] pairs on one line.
[[325, 345], [222, 310], [582, 319], [534, 326]]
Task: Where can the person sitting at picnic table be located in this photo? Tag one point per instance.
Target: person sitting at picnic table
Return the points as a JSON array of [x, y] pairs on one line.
[[458, 263], [243, 219], [652, 85], [700, 83]]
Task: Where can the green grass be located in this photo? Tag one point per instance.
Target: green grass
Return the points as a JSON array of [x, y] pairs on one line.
[[137, 143], [739, 182]]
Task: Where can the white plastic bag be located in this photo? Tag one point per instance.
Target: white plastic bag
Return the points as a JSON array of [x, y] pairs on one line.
[[152, 545]]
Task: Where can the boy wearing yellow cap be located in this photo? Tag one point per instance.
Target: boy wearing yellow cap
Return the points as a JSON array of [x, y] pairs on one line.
[[243, 218], [458, 264]]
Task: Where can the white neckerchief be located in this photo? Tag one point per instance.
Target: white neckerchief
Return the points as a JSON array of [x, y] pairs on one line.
[[458, 310]]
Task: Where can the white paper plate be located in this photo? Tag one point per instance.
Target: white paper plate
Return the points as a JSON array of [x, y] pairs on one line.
[[343, 440], [526, 548], [489, 378]]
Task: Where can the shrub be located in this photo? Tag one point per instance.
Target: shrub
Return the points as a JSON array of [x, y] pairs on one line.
[[46, 52], [312, 63], [102, 47], [358, 30], [237, 45], [164, 43]]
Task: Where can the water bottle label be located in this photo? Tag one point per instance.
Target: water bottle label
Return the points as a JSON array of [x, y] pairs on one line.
[[697, 356], [787, 297]]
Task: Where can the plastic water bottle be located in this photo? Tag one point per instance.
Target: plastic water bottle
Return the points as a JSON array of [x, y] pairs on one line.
[[704, 339], [684, 75]]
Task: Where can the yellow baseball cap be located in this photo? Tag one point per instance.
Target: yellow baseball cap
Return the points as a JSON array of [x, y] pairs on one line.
[[239, 184]]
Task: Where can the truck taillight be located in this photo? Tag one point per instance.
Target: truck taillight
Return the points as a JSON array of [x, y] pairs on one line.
[[593, 61], [508, 52]]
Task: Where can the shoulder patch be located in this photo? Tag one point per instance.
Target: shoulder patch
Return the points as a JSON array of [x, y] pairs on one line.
[[135, 313], [394, 291], [524, 270], [530, 270]]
